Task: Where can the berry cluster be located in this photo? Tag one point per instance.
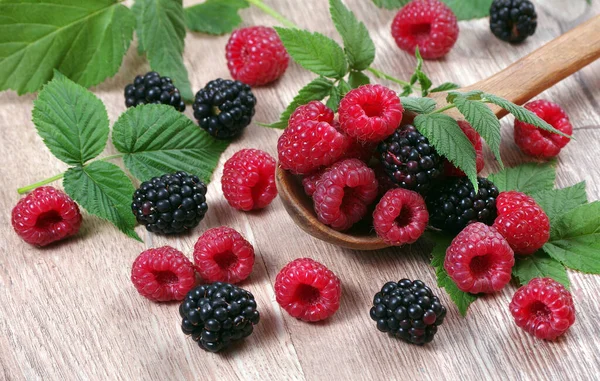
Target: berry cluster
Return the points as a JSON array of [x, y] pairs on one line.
[[152, 88]]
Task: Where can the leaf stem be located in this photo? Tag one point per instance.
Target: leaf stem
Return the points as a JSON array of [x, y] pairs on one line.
[[273, 13], [380, 74], [115, 156], [440, 110], [40, 183]]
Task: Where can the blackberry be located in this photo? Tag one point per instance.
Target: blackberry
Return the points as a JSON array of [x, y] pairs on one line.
[[224, 108], [454, 204], [513, 20], [409, 160], [408, 310], [172, 203], [218, 314], [152, 88]]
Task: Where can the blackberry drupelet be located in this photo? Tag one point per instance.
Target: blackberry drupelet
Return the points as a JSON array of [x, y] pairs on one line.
[[152, 88], [224, 108], [408, 310], [513, 20], [172, 203], [218, 314], [409, 160], [454, 204]]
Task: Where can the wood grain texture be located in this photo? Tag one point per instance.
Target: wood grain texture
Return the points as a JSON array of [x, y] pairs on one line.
[[70, 312]]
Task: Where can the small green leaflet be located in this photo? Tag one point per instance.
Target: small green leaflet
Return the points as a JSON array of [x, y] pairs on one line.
[[464, 9], [215, 16], [418, 105], [85, 40], [391, 4], [539, 265], [105, 191], [357, 79], [71, 120], [446, 86], [359, 48], [157, 139], [557, 202], [315, 52], [527, 178], [344, 87], [334, 99]]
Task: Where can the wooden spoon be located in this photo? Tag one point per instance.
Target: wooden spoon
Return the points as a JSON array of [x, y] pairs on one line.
[[518, 83]]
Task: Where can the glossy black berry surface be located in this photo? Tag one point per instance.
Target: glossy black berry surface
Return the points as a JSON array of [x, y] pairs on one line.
[[513, 20], [151, 88]]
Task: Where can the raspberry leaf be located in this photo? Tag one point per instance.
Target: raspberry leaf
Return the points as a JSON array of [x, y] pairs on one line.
[[104, 190], [358, 45], [527, 178], [315, 52], [357, 79], [418, 105], [85, 40], [539, 265], [446, 86], [344, 87], [391, 4], [71, 120], [215, 16], [470, 9], [334, 99], [157, 139], [557, 202]]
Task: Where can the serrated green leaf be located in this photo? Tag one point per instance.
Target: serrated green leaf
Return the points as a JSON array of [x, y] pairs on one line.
[[315, 52], [71, 120], [539, 265], [215, 16], [527, 178], [157, 139], [446, 86], [418, 105], [357, 79], [557, 202], [391, 4], [161, 28], [358, 45], [470, 9], [105, 191], [424, 82], [334, 99], [85, 40], [344, 87], [406, 91], [473, 95]]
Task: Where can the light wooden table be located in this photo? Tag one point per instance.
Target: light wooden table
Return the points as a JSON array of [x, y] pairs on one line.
[[70, 311]]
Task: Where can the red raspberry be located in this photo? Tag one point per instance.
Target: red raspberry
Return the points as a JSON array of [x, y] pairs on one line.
[[46, 215], [344, 193], [543, 308], [479, 259], [536, 142], [428, 24], [308, 290], [522, 222], [256, 55], [314, 110], [400, 217], [248, 180], [309, 182], [475, 139], [223, 255], [163, 274], [370, 113]]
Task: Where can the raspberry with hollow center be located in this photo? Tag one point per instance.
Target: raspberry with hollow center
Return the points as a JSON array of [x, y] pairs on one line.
[[308, 290], [223, 255], [543, 308], [428, 24], [536, 142], [344, 192], [46, 215], [370, 113], [400, 217], [479, 259], [309, 182], [163, 274], [475, 139], [248, 180]]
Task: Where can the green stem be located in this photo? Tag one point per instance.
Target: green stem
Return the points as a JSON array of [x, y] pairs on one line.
[[440, 110], [40, 183], [273, 13], [115, 156], [380, 74]]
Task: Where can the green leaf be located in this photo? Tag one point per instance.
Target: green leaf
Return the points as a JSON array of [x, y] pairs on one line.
[[527, 178], [446, 86], [575, 239], [357, 79], [85, 40], [473, 95], [71, 120], [215, 16], [425, 83], [315, 52], [344, 87], [470, 9], [406, 91], [448, 139], [557, 202], [418, 105], [539, 265], [157, 139], [358, 45], [105, 191], [334, 99], [161, 30], [391, 4]]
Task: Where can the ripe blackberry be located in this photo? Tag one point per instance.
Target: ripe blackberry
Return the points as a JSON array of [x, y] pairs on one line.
[[218, 314], [408, 310], [224, 108], [409, 159], [172, 203], [152, 88], [454, 204], [513, 20]]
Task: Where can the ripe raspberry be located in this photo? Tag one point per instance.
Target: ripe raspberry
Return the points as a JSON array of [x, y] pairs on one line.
[[256, 55], [400, 217], [522, 222], [543, 308], [428, 24], [223, 255], [370, 113], [479, 259], [308, 290], [163, 274], [46, 215], [314, 110], [475, 139], [309, 182], [536, 142], [344, 193], [248, 180]]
